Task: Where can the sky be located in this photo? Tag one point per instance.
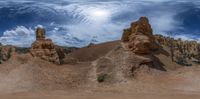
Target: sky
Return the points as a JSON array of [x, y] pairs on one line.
[[80, 22]]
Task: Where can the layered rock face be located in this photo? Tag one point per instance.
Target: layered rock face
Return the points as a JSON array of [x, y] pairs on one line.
[[6, 52], [140, 41], [188, 47], [44, 48], [133, 57], [139, 37], [182, 49]]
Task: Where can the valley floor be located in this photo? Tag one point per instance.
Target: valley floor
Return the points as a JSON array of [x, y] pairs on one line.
[[180, 84], [25, 77]]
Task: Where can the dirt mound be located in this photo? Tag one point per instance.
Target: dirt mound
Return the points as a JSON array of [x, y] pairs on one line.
[[119, 65], [23, 72], [93, 52]]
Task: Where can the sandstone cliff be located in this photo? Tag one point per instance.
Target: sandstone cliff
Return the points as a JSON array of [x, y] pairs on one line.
[[134, 56], [139, 37]]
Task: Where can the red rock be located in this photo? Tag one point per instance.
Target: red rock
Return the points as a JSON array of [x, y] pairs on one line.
[[6, 52], [40, 34], [44, 48], [139, 37]]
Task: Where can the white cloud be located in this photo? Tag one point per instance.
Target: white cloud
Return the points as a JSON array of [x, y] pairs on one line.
[[19, 31], [100, 19], [164, 21], [20, 36], [184, 37], [39, 26]]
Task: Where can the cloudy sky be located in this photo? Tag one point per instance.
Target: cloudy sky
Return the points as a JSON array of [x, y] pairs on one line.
[[79, 22]]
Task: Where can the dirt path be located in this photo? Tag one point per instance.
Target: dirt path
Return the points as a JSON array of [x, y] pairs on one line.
[[82, 95]]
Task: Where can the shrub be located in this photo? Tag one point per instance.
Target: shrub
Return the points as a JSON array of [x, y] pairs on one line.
[[182, 61], [101, 78], [126, 34]]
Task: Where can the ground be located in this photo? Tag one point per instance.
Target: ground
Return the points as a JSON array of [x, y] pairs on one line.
[[26, 77]]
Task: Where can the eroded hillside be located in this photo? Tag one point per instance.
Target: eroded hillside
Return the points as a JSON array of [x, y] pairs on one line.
[[140, 63]]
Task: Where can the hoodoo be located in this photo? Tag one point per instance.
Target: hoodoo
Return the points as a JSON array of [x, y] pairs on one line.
[[44, 48]]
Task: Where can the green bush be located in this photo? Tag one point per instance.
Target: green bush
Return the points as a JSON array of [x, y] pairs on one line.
[[182, 61], [101, 78], [125, 35]]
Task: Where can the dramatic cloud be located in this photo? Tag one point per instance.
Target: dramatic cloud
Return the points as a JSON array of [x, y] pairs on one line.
[[20, 36], [78, 22]]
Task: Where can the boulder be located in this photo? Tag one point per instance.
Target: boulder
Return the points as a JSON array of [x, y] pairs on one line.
[[6, 52]]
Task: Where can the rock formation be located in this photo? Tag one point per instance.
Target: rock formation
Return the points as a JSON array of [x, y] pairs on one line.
[[183, 46], [44, 48], [139, 40], [186, 50], [139, 37], [6, 52], [133, 57]]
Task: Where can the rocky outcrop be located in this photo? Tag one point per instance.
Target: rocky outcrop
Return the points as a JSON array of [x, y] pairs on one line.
[[189, 47], [139, 40], [133, 57], [139, 37], [6, 52], [183, 50], [45, 49]]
